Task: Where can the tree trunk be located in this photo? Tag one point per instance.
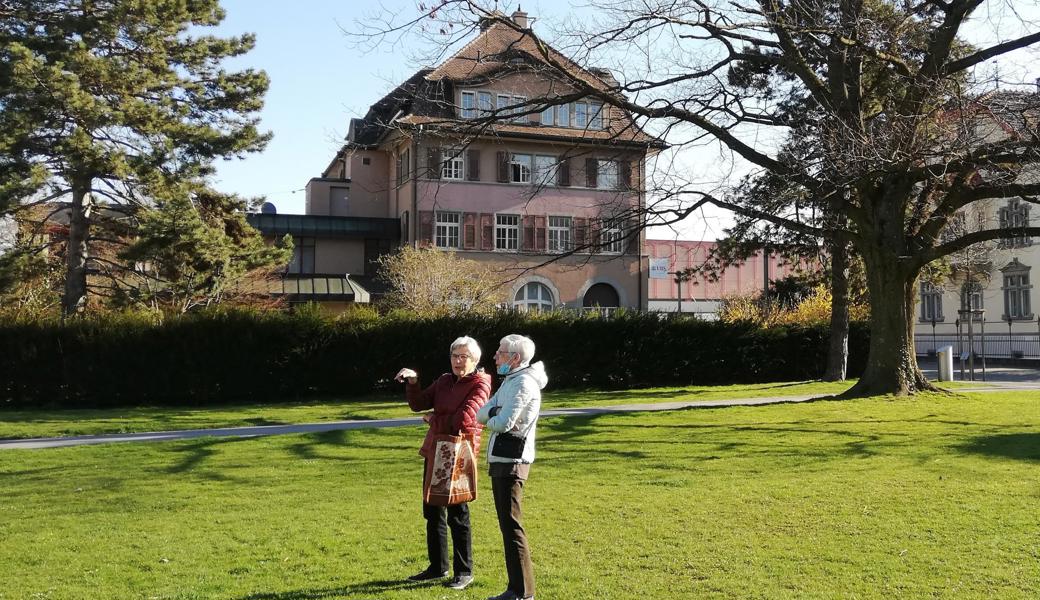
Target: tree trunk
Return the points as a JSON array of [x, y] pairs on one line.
[[891, 362], [838, 352], [75, 298]]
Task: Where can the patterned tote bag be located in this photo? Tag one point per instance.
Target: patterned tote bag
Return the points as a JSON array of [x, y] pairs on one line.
[[451, 474]]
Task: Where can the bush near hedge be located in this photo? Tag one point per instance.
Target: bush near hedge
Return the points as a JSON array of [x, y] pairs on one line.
[[233, 356]]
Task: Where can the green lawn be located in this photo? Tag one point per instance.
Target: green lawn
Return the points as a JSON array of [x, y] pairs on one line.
[[931, 497], [53, 423]]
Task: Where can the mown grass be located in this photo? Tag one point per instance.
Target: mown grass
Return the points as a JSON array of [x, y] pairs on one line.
[[930, 497], [16, 424]]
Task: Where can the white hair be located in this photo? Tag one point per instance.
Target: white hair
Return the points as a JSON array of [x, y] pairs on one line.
[[515, 343], [470, 344]]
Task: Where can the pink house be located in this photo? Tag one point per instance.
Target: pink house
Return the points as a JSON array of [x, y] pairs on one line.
[[700, 295], [492, 155]]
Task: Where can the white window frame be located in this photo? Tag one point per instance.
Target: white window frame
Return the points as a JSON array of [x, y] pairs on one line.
[[595, 116], [559, 236], [563, 115], [517, 167], [544, 170], [507, 233], [931, 302], [521, 116], [523, 300], [611, 236], [485, 102], [607, 175], [548, 116], [1015, 214], [581, 115], [447, 228], [453, 166], [501, 102], [470, 111], [970, 297], [1017, 305]]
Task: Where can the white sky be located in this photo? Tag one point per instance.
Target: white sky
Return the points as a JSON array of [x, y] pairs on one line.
[[319, 82]]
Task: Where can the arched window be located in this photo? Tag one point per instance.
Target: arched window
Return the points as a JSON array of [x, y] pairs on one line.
[[533, 296], [971, 299], [931, 302]]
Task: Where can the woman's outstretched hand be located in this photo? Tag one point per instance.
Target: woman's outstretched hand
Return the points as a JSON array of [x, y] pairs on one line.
[[408, 374]]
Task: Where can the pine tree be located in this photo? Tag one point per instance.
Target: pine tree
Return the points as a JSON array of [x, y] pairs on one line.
[[120, 104]]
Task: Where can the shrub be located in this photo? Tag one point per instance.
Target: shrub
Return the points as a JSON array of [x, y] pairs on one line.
[[229, 355]]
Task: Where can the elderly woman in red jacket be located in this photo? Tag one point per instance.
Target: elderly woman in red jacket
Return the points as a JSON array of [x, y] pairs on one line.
[[455, 399]]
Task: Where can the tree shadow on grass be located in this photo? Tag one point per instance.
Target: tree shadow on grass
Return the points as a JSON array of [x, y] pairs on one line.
[[347, 591], [1020, 446], [195, 452], [338, 440]]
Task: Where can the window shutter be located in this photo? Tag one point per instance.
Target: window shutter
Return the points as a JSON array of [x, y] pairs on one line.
[[487, 232], [595, 235], [580, 233], [528, 233], [625, 173], [433, 163], [564, 176], [539, 233], [469, 230], [426, 226], [631, 236], [473, 165], [591, 170], [398, 172], [503, 167]]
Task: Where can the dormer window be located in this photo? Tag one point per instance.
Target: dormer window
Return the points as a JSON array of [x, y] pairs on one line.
[[487, 106], [596, 116], [581, 114], [469, 105]]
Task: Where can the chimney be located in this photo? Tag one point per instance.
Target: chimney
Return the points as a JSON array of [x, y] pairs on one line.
[[520, 18]]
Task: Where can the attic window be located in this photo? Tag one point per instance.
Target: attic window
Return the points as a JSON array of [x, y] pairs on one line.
[[366, 160], [469, 109]]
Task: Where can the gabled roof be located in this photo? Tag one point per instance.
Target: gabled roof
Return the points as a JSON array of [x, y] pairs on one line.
[[427, 98]]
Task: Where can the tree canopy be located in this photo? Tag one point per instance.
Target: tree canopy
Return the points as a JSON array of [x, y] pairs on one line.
[[117, 106]]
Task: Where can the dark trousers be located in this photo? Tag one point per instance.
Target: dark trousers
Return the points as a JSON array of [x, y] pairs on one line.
[[439, 519], [508, 491]]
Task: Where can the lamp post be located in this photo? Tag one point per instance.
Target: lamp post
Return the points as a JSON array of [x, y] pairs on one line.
[[680, 277]]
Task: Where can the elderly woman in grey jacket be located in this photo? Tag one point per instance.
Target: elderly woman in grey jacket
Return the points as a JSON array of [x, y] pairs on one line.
[[512, 414]]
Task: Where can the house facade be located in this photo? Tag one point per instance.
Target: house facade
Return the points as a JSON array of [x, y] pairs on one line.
[[987, 292], [492, 155], [700, 295]]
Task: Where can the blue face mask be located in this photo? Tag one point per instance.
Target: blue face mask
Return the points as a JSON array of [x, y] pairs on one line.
[[504, 369]]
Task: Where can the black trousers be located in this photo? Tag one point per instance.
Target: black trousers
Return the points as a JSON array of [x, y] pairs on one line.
[[507, 486], [439, 519]]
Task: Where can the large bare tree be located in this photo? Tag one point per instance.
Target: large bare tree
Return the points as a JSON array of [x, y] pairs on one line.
[[906, 135]]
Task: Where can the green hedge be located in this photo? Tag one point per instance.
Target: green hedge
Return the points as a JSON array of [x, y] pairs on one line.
[[230, 356]]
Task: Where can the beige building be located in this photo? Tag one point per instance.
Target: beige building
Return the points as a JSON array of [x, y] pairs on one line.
[[492, 155], [989, 291]]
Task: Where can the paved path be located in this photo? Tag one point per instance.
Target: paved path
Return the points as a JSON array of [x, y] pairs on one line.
[[256, 431]]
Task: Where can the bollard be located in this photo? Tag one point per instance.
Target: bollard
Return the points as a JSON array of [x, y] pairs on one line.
[[945, 356]]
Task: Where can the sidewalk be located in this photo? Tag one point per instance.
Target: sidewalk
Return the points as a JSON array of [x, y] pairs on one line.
[[1005, 380]]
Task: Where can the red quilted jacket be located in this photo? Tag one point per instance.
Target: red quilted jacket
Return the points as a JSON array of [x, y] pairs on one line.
[[455, 402]]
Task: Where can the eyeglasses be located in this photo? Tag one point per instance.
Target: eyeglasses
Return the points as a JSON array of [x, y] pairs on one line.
[[461, 357], [500, 353]]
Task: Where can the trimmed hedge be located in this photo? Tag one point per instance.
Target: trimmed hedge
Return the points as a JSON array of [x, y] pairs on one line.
[[231, 356]]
